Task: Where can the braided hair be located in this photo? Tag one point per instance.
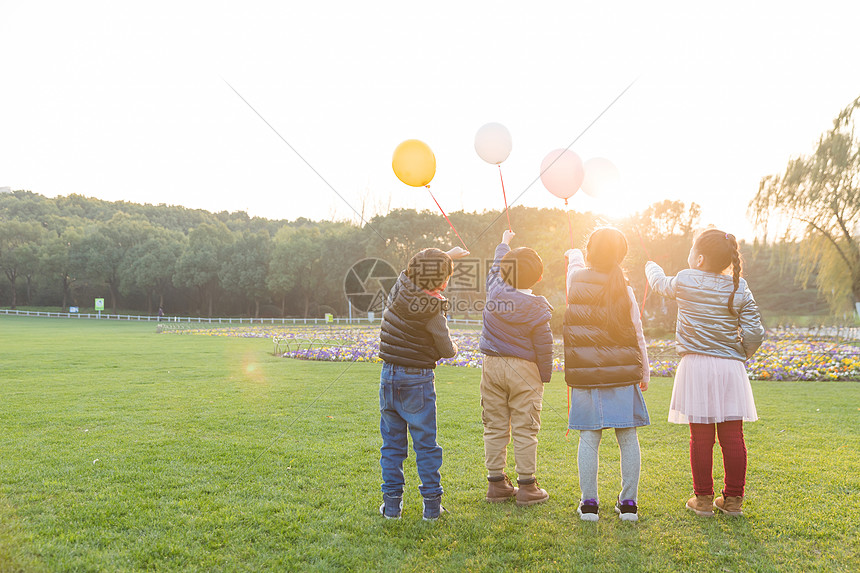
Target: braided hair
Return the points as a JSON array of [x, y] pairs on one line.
[[720, 250], [605, 251]]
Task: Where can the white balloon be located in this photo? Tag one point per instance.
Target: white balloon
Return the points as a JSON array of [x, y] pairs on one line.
[[493, 143], [601, 176]]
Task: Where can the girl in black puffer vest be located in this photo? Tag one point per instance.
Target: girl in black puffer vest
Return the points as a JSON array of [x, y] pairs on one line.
[[605, 366]]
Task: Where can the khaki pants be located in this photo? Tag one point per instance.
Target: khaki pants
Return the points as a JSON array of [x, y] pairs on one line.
[[511, 401]]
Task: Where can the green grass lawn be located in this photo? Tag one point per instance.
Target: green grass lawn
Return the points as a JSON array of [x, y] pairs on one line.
[[126, 450]]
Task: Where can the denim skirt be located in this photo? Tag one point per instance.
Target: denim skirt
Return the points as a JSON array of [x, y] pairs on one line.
[[598, 408]]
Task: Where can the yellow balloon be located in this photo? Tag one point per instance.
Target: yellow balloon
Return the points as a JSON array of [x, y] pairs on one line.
[[414, 163]]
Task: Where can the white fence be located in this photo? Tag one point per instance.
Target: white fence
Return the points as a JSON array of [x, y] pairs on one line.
[[207, 320]]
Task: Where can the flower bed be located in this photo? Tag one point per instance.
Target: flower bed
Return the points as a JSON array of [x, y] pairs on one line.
[[805, 358], [783, 356]]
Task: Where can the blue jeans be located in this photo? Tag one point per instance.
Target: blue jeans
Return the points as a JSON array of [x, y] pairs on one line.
[[407, 400]]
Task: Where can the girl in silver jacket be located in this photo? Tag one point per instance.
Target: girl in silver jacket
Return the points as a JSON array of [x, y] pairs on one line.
[[718, 329]]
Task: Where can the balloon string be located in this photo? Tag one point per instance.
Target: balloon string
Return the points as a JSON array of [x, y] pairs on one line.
[[446, 218], [505, 197], [570, 228]]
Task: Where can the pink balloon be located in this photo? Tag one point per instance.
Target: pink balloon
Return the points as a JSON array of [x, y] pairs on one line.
[[561, 173]]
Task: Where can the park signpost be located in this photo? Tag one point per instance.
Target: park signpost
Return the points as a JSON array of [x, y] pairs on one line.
[[100, 306]]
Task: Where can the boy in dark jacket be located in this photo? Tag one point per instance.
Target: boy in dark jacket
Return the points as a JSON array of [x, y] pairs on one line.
[[517, 346], [413, 337]]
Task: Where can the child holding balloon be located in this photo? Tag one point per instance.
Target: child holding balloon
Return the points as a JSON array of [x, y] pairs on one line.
[[605, 366], [719, 327], [517, 345], [413, 337]]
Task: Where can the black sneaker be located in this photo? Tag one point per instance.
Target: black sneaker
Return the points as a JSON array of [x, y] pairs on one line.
[[627, 510], [588, 510], [391, 506], [433, 508]]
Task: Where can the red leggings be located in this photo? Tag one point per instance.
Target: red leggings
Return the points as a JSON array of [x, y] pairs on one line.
[[734, 449]]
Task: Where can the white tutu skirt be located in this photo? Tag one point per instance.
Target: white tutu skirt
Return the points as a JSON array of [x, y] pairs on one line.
[[710, 390]]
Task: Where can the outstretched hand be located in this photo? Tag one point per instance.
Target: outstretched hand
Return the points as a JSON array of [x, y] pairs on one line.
[[458, 253], [507, 236]]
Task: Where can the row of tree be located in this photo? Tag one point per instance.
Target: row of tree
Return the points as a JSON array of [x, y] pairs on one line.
[[68, 250], [72, 249]]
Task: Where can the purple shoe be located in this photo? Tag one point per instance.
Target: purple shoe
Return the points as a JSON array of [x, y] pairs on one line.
[[627, 510], [588, 510]]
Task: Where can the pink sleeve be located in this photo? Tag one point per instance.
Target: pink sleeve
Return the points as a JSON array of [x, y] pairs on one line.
[[575, 262], [640, 337]]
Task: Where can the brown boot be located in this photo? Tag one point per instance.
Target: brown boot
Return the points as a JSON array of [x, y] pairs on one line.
[[730, 505], [500, 489], [530, 493], [703, 505]]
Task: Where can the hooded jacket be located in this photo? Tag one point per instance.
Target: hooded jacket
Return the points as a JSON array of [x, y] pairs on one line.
[[414, 331], [516, 323], [705, 325]]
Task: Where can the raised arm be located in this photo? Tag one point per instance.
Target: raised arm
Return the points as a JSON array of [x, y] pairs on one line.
[[494, 274], [575, 261], [457, 253], [658, 281]]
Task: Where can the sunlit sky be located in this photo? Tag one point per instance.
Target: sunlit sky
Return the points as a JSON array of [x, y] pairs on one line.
[[130, 103]]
